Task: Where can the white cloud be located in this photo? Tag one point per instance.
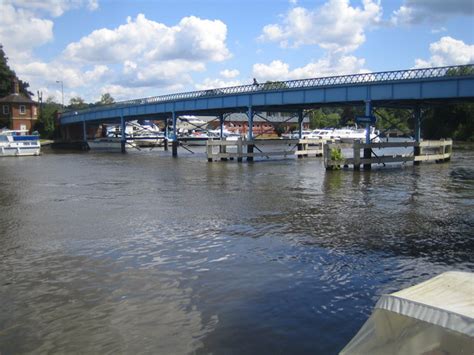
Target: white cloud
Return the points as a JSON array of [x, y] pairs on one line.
[[418, 11], [153, 55], [447, 51], [273, 33], [137, 56], [71, 76], [93, 5], [438, 30], [26, 24], [209, 83], [161, 74], [327, 66], [20, 31], [53, 8], [335, 26], [119, 92], [195, 38], [229, 74]]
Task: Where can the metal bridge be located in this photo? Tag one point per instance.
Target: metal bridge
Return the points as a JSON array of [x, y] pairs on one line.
[[414, 88]]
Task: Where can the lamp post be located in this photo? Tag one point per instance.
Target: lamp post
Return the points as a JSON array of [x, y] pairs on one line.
[[62, 92]]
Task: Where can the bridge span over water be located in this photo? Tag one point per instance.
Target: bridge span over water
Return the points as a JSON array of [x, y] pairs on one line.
[[414, 88]]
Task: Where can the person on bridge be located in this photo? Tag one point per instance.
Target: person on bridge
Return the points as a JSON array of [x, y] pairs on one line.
[[255, 82]]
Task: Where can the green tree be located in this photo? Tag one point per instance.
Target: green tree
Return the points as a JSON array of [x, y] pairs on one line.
[[46, 123], [323, 118], [449, 121], [106, 99], [274, 85], [392, 118], [77, 103], [6, 77], [463, 70]]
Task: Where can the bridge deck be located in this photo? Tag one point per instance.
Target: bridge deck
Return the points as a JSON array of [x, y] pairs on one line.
[[403, 87]]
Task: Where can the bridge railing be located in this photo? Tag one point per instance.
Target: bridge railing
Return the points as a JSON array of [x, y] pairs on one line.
[[387, 76]]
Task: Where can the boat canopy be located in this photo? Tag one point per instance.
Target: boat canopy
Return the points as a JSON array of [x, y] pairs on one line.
[[433, 317]]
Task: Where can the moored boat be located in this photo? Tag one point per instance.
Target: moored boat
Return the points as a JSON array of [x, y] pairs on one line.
[[15, 143], [105, 143], [145, 133], [110, 143], [197, 137], [351, 134]]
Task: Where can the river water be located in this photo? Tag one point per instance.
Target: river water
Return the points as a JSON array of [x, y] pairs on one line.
[[142, 253]]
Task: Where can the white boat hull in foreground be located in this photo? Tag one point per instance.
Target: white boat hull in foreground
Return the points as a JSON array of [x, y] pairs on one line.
[[434, 317]]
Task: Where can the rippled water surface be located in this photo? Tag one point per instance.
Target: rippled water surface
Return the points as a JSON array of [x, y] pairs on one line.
[[142, 253]]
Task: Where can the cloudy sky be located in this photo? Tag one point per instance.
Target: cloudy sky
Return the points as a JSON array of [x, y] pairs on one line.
[[135, 48]]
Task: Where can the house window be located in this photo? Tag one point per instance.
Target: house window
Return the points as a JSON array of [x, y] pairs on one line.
[[6, 109], [22, 109]]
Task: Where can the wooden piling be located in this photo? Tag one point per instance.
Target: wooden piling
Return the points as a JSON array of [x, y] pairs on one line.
[[174, 147], [250, 152]]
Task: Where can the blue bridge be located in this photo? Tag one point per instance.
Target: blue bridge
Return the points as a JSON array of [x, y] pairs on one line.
[[415, 88]]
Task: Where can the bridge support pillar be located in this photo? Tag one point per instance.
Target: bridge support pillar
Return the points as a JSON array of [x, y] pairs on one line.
[[250, 132], [417, 149], [174, 147], [221, 126], [165, 142], [85, 146], [84, 132], [367, 151], [250, 151], [300, 131], [222, 148], [123, 140]]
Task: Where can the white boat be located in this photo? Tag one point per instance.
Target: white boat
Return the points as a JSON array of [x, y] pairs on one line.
[[145, 134], [226, 134], [233, 137], [105, 143], [15, 143], [322, 133], [350, 134], [435, 317], [196, 138], [305, 133]]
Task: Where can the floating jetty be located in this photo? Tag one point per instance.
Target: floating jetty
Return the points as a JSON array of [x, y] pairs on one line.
[[249, 149], [424, 151]]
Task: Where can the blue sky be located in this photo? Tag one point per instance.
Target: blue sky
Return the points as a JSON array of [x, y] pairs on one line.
[[145, 48]]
